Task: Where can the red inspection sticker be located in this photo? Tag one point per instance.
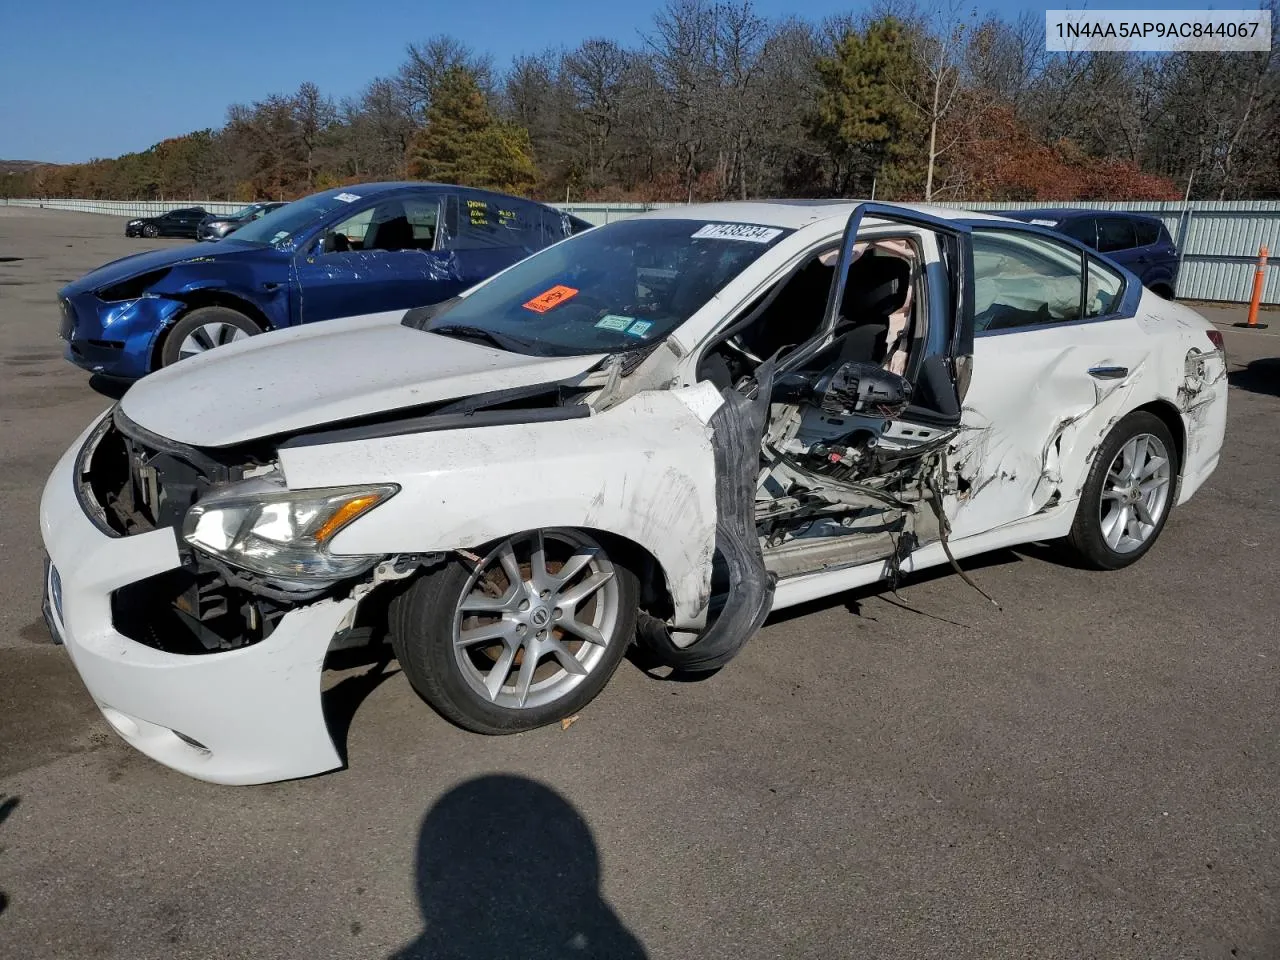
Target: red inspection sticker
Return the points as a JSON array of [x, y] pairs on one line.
[[545, 301]]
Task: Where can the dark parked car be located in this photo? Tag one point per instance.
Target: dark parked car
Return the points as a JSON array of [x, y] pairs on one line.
[[1132, 240], [176, 223], [215, 226], [345, 252]]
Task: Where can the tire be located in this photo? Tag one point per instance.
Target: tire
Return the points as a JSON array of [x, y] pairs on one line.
[[150, 230], [1162, 291], [1102, 534], [204, 329], [483, 685]]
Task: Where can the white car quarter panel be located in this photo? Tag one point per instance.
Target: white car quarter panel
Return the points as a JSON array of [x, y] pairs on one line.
[[1200, 394], [1034, 416], [257, 710], [642, 470]]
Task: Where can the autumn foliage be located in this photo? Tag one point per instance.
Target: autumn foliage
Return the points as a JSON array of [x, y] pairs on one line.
[[1002, 160]]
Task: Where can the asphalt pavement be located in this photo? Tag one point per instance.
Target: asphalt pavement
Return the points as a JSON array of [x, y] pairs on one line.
[[1092, 772]]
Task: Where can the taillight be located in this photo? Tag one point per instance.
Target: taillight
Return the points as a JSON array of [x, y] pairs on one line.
[[1215, 337]]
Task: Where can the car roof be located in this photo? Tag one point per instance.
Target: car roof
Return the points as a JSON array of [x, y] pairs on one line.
[[424, 186], [1074, 213], [794, 214]]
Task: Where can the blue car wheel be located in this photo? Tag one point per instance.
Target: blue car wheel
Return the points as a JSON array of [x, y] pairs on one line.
[[202, 330]]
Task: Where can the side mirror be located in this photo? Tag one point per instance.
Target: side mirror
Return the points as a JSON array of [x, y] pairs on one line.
[[864, 388]]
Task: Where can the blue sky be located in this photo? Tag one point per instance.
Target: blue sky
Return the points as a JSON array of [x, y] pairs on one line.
[[88, 78]]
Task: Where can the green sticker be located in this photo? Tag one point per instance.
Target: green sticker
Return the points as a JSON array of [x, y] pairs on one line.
[[613, 322], [639, 328]]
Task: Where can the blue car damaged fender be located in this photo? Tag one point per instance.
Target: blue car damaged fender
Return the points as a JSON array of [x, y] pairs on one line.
[[120, 312]]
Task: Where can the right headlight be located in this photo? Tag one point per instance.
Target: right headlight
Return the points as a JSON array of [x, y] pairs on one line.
[[282, 534], [133, 287]]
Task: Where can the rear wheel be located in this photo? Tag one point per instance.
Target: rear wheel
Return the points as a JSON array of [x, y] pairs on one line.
[[202, 330], [528, 635], [1126, 500]]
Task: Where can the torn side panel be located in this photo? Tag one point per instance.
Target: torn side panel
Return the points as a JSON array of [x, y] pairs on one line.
[[737, 425], [1033, 414]]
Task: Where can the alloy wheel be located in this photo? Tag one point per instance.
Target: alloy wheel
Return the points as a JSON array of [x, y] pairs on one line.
[[535, 618], [209, 336], [1135, 493]]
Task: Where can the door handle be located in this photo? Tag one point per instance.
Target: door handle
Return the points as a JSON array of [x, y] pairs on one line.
[[1108, 373]]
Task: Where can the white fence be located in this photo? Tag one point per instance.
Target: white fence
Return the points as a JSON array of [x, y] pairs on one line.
[[1218, 240]]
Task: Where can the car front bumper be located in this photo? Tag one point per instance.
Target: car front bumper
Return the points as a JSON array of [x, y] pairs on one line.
[[251, 715], [115, 339]]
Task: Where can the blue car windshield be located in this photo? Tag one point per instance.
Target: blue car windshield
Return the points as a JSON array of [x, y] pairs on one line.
[[284, 223], [613, 288]]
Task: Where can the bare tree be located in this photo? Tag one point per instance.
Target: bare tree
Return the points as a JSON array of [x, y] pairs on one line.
[[428, 62], [682, 47], [314, 114], [1004, 58], [939, 37], [739, 59]]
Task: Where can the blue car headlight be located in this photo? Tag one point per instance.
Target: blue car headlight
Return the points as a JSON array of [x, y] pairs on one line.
[[132, 288]]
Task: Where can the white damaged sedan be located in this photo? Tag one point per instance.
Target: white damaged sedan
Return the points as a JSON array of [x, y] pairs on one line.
[[654, 432]]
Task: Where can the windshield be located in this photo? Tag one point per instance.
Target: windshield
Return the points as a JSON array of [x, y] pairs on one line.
[[613, 288], [285, 223], [242, 212]]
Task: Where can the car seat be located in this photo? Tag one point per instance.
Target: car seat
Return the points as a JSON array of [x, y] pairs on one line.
[[877, 286], [393, 234]]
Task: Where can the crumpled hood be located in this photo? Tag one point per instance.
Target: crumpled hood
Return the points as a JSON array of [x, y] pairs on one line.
[[139, 263], [304, 377]]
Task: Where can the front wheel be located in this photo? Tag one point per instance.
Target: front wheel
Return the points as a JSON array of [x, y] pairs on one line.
[[203, 329], [1127, 498], [150, 230], [527, 635]]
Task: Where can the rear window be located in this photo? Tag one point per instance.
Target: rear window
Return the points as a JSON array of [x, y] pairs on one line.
[[1115, 234], [1148, 232], [1082, 230], [480, 223]]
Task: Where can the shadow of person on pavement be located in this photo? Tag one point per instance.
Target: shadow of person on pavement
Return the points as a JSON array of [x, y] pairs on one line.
[[506, 867]]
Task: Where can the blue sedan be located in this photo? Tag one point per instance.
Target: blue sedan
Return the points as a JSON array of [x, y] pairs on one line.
[[349, 251]]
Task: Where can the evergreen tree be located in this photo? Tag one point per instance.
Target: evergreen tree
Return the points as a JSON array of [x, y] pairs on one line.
[[860, 115], [464, 143]]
